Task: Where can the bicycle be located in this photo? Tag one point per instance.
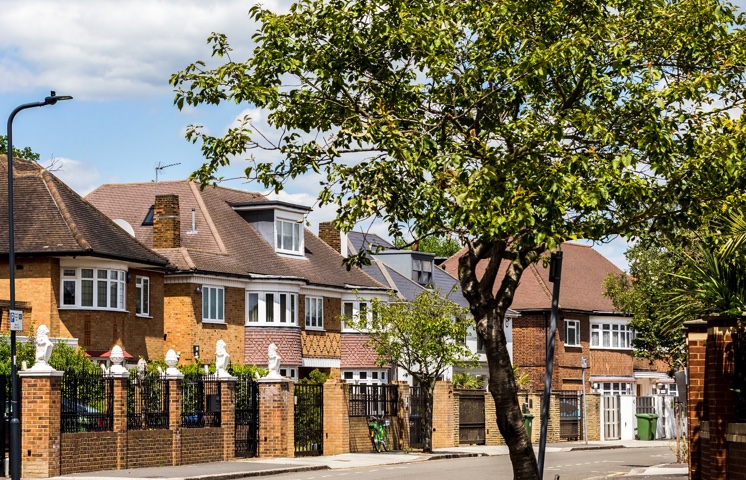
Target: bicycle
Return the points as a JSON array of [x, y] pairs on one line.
[[378, 433]]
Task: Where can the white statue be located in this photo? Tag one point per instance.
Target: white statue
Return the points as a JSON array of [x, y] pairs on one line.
[[171, 360], [117, 358], [44, 348], [273, 362], [221, 359], [142, 367]]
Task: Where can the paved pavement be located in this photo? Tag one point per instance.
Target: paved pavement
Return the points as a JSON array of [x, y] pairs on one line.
[[259, 467]]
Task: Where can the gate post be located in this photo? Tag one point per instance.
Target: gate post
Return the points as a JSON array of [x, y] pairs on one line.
[[402, 414], [228, 416], [174, 416], [336, 418], [41, 410], [276, 418], [120, 416], [443, 420]]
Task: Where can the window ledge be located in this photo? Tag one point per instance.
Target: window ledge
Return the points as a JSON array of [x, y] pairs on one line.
[[315, 329], [214, 322], [572, 345], [265, 324], [97, 309], [140, 315], [621, 349]]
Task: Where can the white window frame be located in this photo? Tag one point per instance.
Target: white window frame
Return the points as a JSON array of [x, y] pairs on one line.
[[296, 240], [314, 313], [611, 336], [219, 316], [271, 308], [382, 377], [575, 326], [142, 296], [357, 306], [95, 278], [289, 372], [615, 388]]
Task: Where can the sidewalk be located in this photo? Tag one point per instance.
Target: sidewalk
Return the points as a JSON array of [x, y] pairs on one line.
[[259, 467]]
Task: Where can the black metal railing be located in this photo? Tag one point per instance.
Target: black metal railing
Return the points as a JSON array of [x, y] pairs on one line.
[[87, 402], [147, 402], [200, 401], [247, 416], [309, 419], [373, 400]]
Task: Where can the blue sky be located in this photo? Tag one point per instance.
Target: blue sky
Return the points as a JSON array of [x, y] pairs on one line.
[[115, 59]]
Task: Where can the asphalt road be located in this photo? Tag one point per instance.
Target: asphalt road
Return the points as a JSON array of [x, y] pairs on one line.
[[574, 465]]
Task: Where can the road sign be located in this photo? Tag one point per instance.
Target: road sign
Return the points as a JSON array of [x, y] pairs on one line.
[[16, 321]]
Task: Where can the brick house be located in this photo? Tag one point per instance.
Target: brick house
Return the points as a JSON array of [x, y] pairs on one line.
[[246, 272], [77, 271], [587, 326], [407, 273]]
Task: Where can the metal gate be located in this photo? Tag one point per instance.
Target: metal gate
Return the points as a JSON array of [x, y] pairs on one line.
[[309, 420], [570, 415], [247, 416], [471, 418], [611, 417], [416, 417]]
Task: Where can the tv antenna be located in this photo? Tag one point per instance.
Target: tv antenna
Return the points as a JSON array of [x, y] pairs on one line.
[[160, 167]]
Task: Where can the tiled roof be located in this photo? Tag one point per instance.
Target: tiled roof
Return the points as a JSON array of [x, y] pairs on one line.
[[225, 243], [51, 219], [581, 288], [356, 353]]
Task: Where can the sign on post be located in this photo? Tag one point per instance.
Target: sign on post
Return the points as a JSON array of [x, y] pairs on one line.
[[16, 320]]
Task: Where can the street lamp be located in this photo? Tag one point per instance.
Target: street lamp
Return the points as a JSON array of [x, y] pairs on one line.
[[15, 421]]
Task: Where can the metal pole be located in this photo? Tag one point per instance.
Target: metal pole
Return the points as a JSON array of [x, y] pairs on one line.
[[583, 366], [15, 420], [555, 273]]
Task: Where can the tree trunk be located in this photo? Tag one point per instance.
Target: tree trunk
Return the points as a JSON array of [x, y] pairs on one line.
[[429, 395], [509, 416]]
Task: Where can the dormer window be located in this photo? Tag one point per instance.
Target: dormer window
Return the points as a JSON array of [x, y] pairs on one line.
[[288, 236], [422, 271]]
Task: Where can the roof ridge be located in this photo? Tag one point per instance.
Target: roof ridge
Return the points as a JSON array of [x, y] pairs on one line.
[[49, 182], [208, 218]]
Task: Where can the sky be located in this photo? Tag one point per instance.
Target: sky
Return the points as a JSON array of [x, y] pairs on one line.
[[115, 58]]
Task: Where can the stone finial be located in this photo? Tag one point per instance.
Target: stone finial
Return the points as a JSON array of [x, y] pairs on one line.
[[171, 360], [221, 360], [273, 362], [44, 348], [117, 358], [142, 367]]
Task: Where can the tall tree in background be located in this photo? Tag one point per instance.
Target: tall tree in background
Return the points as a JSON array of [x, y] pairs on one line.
[[514, 125], [25, 152], [441, 246]]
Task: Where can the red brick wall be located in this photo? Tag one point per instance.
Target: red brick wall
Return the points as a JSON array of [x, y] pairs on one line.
[[696, 343], [149, 448], [201, 445], [184, 328], [88, 452]]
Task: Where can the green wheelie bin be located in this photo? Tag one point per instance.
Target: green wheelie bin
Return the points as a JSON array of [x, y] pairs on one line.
[[647, 424]]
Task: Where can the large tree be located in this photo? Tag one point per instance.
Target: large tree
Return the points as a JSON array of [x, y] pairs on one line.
[[515, 125], [24, 152]]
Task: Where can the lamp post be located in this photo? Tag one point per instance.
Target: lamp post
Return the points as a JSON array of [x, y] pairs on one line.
[[15, 421]]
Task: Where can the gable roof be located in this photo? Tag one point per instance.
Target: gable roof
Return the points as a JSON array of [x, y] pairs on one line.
[[224, 242], [583, 274], [52, 220]]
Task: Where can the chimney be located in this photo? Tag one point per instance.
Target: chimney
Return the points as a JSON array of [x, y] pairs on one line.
[[166, 222], [332, 237]]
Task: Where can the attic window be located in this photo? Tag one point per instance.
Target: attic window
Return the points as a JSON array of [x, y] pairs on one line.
[[148, 222], [288, 236], [422, 271]]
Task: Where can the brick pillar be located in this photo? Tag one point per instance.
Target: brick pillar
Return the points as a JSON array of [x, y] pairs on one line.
[[166, 222], [174, 416], [120, 417], [40, 423], [696, 337], [276, 418], [443, 415], [336, 418], [228, 416], [719, 398], [402, 414]]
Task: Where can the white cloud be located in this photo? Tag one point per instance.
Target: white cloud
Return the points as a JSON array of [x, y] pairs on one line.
[[98, 49], [82, 177]]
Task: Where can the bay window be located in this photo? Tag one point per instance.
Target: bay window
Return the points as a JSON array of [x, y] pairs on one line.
[[93, 288]]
